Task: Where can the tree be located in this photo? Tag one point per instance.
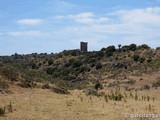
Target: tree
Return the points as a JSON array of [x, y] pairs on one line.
[[143, 46], [158, 48], [119, 46], [111, 48], [132, 47], [125, 48]]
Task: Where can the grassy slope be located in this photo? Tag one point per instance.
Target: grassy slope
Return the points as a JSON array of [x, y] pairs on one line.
[[39, 104]]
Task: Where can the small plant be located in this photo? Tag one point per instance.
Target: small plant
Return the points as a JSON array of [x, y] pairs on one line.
[[46, 86], [2, 111], [147, 87], [131, 95], [116, 96], [98, 85], [156, 84], [3, 85], [60, 90], [150, 107], [136, 96], [106, 98], [131, 82], [148, 98]]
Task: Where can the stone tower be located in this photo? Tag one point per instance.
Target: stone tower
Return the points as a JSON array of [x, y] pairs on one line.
[[84, 46]]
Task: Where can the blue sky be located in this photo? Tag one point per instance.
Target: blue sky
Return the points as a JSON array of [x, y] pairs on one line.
[[29, 26]]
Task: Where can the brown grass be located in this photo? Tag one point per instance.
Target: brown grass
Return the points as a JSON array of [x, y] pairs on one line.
[[40, 104]]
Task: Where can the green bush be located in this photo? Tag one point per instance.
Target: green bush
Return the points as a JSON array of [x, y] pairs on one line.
[[136, 57], [50, 61], [27, 84], [115, 96], [100, 54], [76, 63], [98, 65], [125, 48], [3, 85], [156, 84], [98, 85], [110, 49], [141, 59], [46, 86], [143, 46], [147, 87], [50, 70], [133, 47], [158, 48], [10, 73], [149, 60]]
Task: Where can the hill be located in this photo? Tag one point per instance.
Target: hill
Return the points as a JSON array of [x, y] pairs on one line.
[[96, 84], [132, 67]]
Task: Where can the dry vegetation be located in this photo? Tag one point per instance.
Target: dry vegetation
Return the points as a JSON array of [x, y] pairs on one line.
[[39, 104], [71, 85]]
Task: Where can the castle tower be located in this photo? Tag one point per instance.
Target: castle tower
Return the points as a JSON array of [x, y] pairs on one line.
[[84, 46]]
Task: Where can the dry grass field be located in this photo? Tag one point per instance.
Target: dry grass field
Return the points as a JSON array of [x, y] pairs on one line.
[[41, 104]]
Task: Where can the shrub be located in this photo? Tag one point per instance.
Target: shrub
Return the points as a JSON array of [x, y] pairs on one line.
[[91, 91], [50, 70], [136, 57], [110, 49], [115, 96], [103, 49], [147, 87], [99, 66], [156, 84], [131, 82], [59, 90], [100, 54], [149, 60], [2, 111], [3, 85], [46, 86], [158, 48], [33, 65], [98, 85], [108, 54], [141, 59], [92, 60], [125, 48], [143, 46], [50, 61], [92, 65], [132, 47], [27, 84], [10, 73], [76, 63]]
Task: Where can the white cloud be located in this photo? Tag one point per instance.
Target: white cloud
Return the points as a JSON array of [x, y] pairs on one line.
[[140, 16], [125, 26], [26, 33], [29, 21], [85, 17]]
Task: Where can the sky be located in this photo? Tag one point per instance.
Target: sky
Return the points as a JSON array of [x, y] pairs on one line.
[[46, 26]]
